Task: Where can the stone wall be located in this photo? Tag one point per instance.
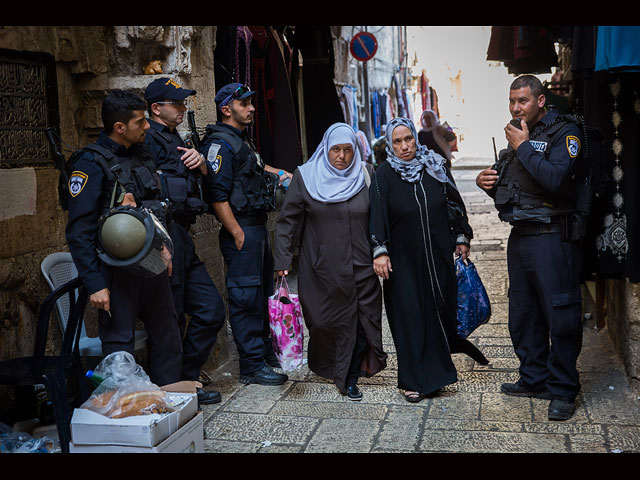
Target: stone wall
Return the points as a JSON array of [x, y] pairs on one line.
[[623, 323], [89, 61]]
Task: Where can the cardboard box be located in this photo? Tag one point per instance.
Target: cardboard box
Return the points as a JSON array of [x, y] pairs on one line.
[[91, 428], [188, 439]]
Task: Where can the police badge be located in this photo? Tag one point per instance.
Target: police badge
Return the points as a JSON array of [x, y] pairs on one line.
[[573, 146], [213, 158], [77, 181]]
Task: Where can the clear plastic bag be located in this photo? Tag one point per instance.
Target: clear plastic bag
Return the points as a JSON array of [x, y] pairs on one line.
[[124, 389], [12, 441]]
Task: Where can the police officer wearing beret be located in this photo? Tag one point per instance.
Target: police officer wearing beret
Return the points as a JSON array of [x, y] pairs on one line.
[[533, 185], [243, 193], [122, 297], [185, 184]]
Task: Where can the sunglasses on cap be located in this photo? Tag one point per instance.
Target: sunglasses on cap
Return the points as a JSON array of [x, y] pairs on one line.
[[179, 103], [241, 90]]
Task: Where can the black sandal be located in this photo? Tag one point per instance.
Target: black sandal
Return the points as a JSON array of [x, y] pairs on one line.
[[413, 397]]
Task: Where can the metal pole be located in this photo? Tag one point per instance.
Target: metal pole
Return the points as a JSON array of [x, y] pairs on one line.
[[367, 100]]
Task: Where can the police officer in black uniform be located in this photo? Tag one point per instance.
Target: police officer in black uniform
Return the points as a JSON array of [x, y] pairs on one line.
[[243, 194], [185, 184], [118, 168], [534, 186]]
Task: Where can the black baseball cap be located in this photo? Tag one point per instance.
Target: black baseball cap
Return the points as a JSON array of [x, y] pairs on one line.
[[232, 91], [166, 89]]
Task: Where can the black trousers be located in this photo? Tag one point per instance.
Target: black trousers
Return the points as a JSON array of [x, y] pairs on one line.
[[194, 294], [545, 311], [359, 350], [249, 284], [150, 300]]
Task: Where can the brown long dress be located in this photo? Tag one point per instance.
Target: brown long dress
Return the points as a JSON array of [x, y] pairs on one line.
[[336, 282]]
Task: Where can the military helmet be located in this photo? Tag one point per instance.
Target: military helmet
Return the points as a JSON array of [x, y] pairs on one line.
[[133, 238], [123, 235]]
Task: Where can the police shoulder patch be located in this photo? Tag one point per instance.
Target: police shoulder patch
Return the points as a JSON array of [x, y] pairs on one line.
[[77, 181], [214, 159], [573, 145]]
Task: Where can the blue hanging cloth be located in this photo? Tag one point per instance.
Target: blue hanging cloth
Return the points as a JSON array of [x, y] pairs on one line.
[[474, 308]]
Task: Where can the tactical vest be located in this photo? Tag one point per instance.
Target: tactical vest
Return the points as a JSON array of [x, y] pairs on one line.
[[254, 189], [135, 174], [518, 188], [181, 187]]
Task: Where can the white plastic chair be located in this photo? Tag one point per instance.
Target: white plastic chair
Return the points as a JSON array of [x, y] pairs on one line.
[[58, 269]]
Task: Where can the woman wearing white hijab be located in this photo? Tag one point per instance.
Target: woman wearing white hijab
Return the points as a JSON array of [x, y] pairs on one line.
[[418, 222], [432, 135], [327, 205]]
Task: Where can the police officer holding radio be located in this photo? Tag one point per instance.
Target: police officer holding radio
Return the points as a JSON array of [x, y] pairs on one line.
[[243, 194], [534, 187], [185, 184], [124, 283]]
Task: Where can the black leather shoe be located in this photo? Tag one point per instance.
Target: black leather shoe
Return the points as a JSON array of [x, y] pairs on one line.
[[517, 390], [265, 376], [208, 397], [272, 361], [561, 408], [354, 393]]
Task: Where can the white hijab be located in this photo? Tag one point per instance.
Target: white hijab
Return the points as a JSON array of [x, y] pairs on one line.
[[435, 122], [323, 181]]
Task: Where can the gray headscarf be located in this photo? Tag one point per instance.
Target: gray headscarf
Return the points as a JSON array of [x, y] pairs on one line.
[[429, 160], [323, 181]]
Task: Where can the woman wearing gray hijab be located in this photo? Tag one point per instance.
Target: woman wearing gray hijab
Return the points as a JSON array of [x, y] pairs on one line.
[[418, 222], [327, 206]]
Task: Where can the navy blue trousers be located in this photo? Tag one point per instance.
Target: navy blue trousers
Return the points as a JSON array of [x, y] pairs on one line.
[[249, 283], [148, 299], [194, 294], [545, 311]]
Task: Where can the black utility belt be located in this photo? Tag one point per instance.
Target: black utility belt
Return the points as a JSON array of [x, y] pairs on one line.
[[537, 229], [252, 220]]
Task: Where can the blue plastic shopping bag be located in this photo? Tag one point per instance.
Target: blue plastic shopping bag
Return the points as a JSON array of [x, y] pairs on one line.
[[474, 308]]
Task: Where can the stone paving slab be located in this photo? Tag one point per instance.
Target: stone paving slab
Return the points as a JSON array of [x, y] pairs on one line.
[[309, 415]]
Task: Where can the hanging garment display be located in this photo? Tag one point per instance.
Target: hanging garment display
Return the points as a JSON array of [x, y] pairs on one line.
[[243, 58], [425, 91], [523, 49], [351, 105], [617, 48], [275, 123], [366, 146], [321, 99], [231, 47], [608, 100], [375, 113]]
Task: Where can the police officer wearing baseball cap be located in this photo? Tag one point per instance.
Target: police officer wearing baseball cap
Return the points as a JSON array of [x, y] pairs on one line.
[[185, 184], [95, 188], [243, 189]]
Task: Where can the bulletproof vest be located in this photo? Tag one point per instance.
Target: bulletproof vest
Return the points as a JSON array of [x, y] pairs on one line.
[[518, 188], [181, 187], [253, 189], [134, 174]]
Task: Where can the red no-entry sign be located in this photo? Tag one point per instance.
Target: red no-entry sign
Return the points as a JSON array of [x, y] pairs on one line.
[[363, 46]]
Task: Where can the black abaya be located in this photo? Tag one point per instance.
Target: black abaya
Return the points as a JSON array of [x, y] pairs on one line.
[[411, 220]]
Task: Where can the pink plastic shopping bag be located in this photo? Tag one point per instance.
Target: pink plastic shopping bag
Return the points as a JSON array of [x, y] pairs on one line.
[[285, 322]]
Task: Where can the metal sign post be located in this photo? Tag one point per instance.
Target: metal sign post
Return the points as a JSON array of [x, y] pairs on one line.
[[363, 47]]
